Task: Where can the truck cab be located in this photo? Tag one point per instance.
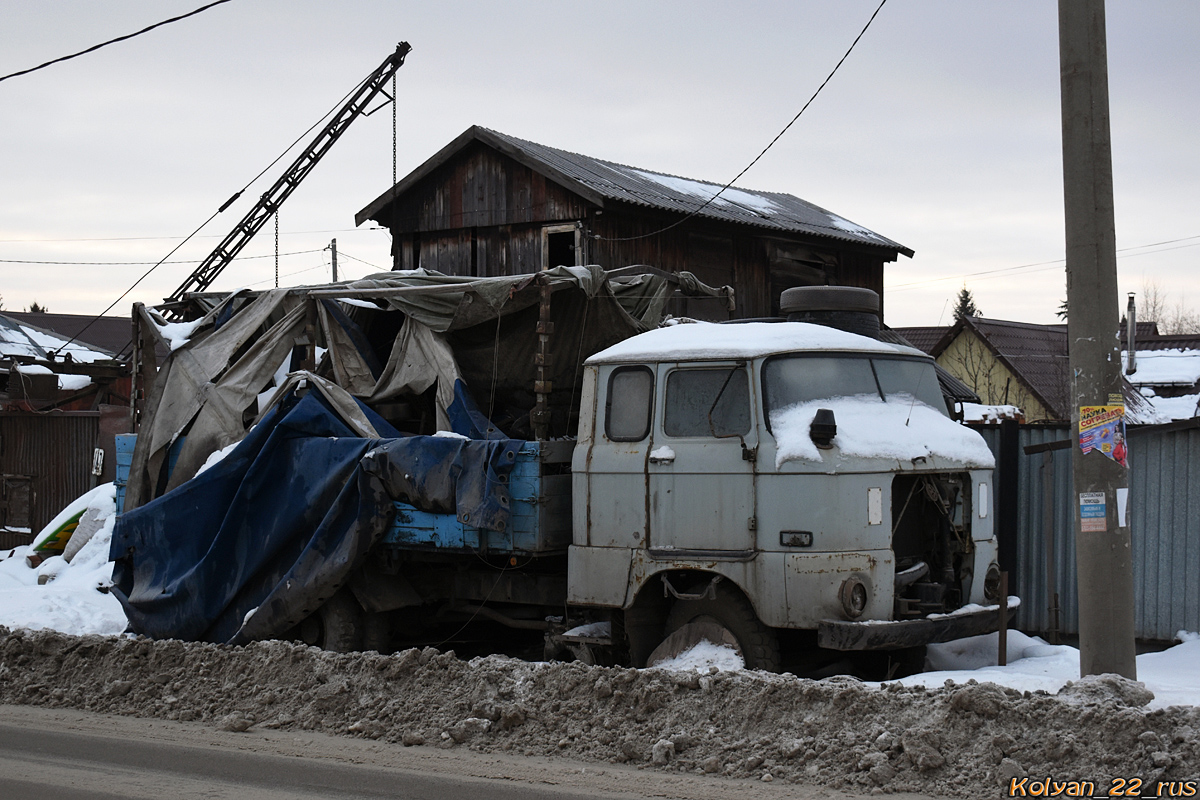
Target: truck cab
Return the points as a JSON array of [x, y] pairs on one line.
[[736, 482]]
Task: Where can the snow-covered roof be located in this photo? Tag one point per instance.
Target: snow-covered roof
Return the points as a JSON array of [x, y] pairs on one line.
[[712, 341], [1165, 368], [18, 339]]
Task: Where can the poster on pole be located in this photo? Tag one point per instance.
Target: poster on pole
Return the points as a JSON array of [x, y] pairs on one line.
[[1102, 428]]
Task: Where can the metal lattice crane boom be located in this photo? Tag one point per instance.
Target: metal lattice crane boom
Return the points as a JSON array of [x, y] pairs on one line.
[[273, 197]]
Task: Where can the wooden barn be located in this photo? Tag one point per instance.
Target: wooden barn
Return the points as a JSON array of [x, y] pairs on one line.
[[491, 204]]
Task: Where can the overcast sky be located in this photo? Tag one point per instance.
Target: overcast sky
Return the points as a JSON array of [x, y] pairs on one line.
[[942, 130]]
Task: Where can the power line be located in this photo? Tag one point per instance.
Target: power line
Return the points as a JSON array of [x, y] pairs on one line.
[[173, 238], [1048, 265], [710, 200], [344, 254], [223, 206], [96, 47], [139, 263]]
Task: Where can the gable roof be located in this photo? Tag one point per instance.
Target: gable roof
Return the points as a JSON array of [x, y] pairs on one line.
[[106, 334], [925, 338], [1036, 354], [24, 340], [600, 181]]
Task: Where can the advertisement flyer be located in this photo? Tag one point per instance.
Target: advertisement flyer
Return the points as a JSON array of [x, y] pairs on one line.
[[1102, 428]]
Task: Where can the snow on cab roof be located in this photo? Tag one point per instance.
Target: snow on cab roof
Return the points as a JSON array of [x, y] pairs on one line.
[[708, 340]]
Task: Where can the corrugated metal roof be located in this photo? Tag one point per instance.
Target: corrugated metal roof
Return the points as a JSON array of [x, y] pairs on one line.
[[1037, 353], [607, 180], [923, 338], [652, 189], [21, 338], [108, 335]]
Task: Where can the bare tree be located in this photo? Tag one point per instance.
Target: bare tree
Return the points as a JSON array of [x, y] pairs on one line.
[[1153, 306], [973, 363]]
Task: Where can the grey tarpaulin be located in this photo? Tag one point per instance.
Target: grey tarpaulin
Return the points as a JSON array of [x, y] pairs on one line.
[[184, 384], [482, 331]]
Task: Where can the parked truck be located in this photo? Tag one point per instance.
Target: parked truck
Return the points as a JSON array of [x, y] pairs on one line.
[[790, 489]]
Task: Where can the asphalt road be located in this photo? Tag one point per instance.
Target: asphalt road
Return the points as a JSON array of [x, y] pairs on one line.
[[48, 754]]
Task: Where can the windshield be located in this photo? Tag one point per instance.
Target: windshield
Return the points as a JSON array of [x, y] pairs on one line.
[[791, 380]]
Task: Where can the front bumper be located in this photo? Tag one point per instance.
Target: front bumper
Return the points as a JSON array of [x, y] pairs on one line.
[[875, 635]]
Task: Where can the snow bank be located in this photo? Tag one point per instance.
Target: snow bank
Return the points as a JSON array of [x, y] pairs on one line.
[[1183, 407], [1034, 665], [870, 428], [57, 595], [977, 412]]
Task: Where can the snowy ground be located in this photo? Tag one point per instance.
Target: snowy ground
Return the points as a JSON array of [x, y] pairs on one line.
[[71, 600]]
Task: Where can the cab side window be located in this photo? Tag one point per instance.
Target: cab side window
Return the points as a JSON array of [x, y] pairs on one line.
[[707, 402], [629, 404]]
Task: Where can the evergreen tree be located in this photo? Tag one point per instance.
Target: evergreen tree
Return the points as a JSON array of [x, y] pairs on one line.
[[1063, 311], [965, 305], [34, 308]]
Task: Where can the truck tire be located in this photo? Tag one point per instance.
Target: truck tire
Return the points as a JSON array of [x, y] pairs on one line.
[[336, 626], [733, 612]]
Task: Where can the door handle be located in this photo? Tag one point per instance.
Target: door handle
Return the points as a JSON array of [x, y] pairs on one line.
[[662, 455]]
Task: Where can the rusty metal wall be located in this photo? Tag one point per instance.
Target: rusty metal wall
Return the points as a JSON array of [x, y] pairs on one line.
[[1164, 507], [55, 450]]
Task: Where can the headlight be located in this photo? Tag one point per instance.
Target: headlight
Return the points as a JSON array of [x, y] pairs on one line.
[[854, 596]]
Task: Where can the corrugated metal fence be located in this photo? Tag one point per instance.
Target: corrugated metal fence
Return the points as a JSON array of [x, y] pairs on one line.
[[52, 454], [1164, 499]]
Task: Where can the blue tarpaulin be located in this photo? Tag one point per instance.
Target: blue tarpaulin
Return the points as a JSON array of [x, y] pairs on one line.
[[250, 547]]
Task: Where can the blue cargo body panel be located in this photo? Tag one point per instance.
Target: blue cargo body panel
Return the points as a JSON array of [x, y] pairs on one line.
[[539, 515]]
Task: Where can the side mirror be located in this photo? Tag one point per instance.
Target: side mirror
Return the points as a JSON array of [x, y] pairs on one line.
[[823, 429]]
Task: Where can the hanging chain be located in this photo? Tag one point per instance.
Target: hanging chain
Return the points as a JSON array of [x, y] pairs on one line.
[[276, 248], [393, 129]]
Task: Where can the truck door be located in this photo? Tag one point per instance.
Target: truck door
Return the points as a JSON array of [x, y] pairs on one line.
[[615, 512], [701, 472]]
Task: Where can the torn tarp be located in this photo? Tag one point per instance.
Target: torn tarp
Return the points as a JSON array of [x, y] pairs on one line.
[[252, 546]]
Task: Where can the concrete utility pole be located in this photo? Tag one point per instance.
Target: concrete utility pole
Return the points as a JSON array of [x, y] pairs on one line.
[[1103, 552]]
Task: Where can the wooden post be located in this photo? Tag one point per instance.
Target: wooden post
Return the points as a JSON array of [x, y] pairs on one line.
[[1048, 537], [1002, 656], [539, 417]]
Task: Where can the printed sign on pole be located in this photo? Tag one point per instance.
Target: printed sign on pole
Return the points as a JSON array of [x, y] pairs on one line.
[[1092, 512], [1102, 428]]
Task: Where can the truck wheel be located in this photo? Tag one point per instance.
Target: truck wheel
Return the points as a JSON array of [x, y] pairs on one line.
[[336, 626], [732, 612]]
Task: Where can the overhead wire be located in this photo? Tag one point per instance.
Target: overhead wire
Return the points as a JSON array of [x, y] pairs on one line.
[[140, 263], [1047, 265], [779, 135], [126, 37], [172, 238], [224, 206]]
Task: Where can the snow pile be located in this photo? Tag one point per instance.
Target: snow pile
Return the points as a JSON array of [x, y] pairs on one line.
[[66, 383], [1182, 407], [66, 592], [704, 656], [977, 412], [177, 334], [1172, 676], [867, 427], [956, 740]]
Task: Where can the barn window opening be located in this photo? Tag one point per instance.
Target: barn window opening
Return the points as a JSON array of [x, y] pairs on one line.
[[559, 243]]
